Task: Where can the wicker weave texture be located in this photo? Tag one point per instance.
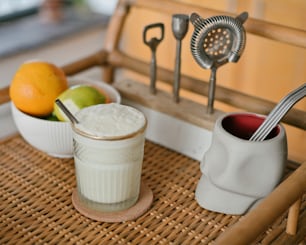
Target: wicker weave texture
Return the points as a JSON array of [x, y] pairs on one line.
[[36, 206]]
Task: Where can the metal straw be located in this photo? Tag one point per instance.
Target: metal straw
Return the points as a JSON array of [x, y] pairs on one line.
[[278, 113], [70, 116]]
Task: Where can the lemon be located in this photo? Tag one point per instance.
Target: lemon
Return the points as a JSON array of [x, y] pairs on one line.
[[77, 97]]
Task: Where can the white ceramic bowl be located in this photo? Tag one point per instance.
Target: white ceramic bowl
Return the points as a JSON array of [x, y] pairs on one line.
[[54, 137]]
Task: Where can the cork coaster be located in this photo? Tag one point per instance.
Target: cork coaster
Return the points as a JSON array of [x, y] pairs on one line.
[[140, 207]]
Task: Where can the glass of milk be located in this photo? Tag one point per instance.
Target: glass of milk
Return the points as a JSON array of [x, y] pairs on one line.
[[108, 153]]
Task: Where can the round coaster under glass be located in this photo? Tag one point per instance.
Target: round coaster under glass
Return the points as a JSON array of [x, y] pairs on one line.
[[139, 208]]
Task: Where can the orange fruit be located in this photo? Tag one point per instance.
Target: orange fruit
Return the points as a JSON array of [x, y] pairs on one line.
[[35, 86]]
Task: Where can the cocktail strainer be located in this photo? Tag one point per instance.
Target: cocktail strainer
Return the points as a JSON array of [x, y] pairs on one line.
[[216, 41]]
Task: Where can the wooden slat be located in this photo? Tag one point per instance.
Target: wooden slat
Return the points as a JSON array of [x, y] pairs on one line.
[[259, 219], [98, 58], [113, 35], [280, 33], [294, 117], [162, 101], [293, 217], [4, 95]]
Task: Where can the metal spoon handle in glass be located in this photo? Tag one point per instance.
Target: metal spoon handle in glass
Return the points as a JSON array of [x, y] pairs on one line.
[[70, 116], [278, 113]]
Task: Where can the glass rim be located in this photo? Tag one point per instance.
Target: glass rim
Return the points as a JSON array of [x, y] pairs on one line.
[[111, 138]]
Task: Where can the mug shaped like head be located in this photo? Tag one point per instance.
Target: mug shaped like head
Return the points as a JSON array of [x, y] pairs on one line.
[[238, 172]]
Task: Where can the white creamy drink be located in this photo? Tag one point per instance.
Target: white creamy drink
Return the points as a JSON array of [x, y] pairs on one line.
[[108, 145]]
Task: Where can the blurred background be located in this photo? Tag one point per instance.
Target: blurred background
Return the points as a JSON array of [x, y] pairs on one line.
[[267, 69]]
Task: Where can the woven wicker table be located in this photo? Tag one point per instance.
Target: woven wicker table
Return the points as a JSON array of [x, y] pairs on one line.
[[36, 206]]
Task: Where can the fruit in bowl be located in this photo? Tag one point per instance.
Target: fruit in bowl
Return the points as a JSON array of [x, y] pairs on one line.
[[45, 131], [78, 97], [49, 134], [35, 86]]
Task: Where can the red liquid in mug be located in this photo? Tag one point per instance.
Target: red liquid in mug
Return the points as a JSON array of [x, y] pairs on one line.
[[244, 126]]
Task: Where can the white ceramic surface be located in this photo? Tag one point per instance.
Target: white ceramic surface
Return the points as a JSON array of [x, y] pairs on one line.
[[54, 137], [236, 172]]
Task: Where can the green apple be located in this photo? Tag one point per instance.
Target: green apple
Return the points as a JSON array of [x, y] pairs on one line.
[[51, 118], [77, 97]]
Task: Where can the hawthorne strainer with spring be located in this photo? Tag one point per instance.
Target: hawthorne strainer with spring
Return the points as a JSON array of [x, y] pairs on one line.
[[216, 41]]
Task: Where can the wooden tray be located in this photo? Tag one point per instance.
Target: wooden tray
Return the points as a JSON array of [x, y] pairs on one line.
[[36, 205]]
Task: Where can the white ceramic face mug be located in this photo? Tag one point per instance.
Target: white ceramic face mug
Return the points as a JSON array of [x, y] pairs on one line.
[[108, 154], [236, 172]]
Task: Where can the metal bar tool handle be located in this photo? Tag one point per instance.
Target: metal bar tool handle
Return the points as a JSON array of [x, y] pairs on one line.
[[153, 43], [179, 28]]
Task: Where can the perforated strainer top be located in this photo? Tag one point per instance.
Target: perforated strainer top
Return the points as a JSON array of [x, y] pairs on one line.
[[218, 43], [217, 40]]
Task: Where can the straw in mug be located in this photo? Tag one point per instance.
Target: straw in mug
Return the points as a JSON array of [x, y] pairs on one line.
[[278, 112]]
